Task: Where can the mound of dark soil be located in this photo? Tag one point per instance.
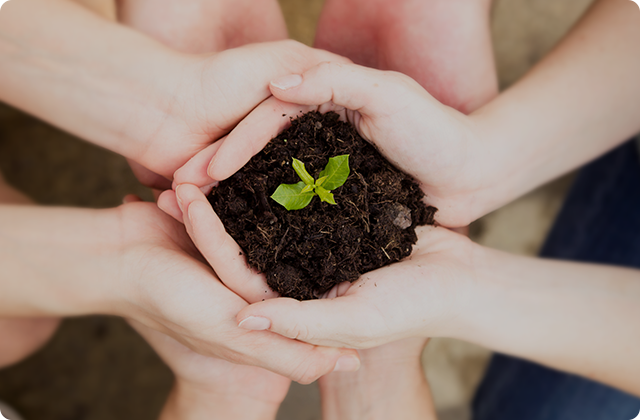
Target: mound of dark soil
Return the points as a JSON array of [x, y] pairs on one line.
[[306, 252]]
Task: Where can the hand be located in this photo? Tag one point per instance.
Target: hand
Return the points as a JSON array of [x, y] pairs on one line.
[[404, 392], [228, 85], [440, 147], [171, 290], [208, 387], [444, 45], [422, 296], [128, 93], [205, 26], [201, 26]]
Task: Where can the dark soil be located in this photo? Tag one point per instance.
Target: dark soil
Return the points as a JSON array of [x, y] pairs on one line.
[[306, 252]]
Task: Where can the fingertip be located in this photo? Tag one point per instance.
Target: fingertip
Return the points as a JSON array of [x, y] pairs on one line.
[[347, 363], [286, 82], [168, 203]]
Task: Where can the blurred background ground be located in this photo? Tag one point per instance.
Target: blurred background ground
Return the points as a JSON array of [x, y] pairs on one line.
[[97, 368]]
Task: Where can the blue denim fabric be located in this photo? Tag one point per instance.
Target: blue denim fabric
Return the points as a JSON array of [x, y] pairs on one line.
[[600, 222]]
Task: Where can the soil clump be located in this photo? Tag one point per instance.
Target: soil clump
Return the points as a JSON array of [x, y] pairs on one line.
[[304, 253]]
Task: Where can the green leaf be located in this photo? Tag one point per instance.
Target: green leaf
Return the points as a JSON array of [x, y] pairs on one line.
[[291, 197], [302, 172], [307, 188], [337, 171], [325, 195], [320, 181]]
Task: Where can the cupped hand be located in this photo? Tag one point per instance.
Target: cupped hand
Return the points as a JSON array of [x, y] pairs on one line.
[[440, 147], [199, 98], [171, 289], [422, 296]]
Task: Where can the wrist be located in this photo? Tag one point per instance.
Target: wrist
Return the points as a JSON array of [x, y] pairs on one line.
[[190, 402], [404, 393]]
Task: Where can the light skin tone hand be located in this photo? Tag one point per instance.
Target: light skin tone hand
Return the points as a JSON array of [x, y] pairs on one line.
[[201, 26], [469, 166], [142, 266], [127, 92], [446, 47], [518, 306], [579, 318]]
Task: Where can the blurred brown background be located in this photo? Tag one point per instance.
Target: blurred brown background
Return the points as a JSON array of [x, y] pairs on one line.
[[97, 368]]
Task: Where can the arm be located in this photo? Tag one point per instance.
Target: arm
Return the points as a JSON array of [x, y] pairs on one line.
[[137, 262], [126, 92], [580, 101], [203, 26], [581, 318]]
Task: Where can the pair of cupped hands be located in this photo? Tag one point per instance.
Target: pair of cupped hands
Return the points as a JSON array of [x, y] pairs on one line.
[[208, 307]]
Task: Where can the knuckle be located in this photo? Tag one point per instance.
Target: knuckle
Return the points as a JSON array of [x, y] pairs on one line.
[[298, 332], [307, 372]]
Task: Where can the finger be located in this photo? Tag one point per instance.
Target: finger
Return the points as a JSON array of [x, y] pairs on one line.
[[168, 203], [195, 170], [339, 322], [354, 87], [298, 361], [251, 135], [148, 178], [220, 250]]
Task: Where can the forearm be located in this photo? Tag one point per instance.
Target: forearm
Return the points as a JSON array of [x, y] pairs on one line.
[[54, 260], [82, 73], [581, 318], [581, 100]]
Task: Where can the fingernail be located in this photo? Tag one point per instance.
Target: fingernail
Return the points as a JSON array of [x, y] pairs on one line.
[[178, 198], [347, 364], [212, 164], [287, 82], [255, 323]]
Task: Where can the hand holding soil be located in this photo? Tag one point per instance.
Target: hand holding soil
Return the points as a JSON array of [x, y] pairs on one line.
[[366, 223], [435, 144], [426, 295]]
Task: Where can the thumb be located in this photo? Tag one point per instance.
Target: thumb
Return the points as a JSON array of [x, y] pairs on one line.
[[339, 322]]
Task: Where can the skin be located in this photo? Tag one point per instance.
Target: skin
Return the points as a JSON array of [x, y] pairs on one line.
[[470, 165], [127, 92], [208, 387], [444, 45], [575, 317], [22, 336], [397, 37]]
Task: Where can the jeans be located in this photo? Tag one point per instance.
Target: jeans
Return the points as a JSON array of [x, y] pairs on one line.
[[599, 222]]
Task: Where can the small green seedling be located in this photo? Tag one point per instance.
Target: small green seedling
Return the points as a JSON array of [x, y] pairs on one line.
[[298, 196]]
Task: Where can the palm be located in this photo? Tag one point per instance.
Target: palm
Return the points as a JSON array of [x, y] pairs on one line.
[[172, 290]]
